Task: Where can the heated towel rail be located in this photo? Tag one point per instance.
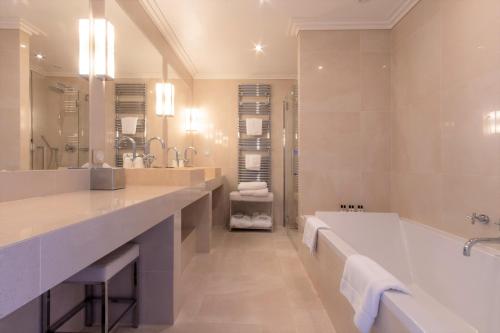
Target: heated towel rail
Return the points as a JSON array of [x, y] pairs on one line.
[[255, 102], [130, 101]]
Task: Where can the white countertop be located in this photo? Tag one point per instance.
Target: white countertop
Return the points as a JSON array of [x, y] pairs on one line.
[[45, 240], [28, 218]]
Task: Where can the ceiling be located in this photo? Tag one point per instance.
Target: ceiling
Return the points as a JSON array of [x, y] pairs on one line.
[[54, 27], [216, 38]]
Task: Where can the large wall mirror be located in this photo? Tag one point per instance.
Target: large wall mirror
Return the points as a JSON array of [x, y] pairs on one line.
[[131, 96], [44, 101]]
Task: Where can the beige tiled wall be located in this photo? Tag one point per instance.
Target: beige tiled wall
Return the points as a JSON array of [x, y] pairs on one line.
[[446, 83], [344, 119], [405, 120], [218, 104], [17, 185], [15, 116]]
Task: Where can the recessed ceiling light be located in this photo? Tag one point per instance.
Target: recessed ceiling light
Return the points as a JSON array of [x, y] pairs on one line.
[[259, 48], [320, 67], [23, 46], [39, 56]]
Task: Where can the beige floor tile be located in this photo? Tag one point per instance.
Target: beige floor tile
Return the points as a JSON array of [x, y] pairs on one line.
[[250, 282]]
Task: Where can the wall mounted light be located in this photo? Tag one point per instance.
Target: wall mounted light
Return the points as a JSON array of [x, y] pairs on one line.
[[491, 124], [258, 48], [104, 48], [192, 123], [165, 96]]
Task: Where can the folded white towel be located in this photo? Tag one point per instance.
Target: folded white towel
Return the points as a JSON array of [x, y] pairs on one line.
[[363, 283], [252, 186], [311, 228], [252, 162], [260, 220], [241, 221], [254, 126], [255, 193]]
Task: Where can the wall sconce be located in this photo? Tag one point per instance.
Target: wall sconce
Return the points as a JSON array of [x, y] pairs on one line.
[[192, 121], [491, 125], [104, 48], [165, 95]]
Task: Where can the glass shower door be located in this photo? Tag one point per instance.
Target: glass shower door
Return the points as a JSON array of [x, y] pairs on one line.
[[59, 107], [291, 159]]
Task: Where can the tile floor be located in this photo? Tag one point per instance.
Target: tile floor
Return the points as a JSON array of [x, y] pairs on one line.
[[251, 282]]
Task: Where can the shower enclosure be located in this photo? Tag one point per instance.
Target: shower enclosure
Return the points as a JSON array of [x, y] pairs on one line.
[[59, 129], [290, 158]]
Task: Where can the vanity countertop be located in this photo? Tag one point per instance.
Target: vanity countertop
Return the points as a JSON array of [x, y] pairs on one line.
[[32, 217], [45, 240]]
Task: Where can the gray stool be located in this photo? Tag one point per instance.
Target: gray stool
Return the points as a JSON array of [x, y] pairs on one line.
[[99, 273]]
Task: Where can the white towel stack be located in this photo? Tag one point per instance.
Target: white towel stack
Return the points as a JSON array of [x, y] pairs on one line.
[[254, 189], [363, 284], [262, 220], [240, 221], [254, 126], [258, 220], [244, 186], [252, 162]]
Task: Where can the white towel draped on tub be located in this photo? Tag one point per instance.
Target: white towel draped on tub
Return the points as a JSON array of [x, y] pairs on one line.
[[252, 162], [311, 228], [254, 126], [363, 283], [252, 186]]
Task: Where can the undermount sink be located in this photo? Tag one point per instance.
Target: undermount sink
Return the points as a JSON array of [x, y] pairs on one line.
[[210, 172], [171, 176]]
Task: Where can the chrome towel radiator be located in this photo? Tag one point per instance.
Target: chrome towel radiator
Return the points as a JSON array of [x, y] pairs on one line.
[[255, 102], [130, 101]]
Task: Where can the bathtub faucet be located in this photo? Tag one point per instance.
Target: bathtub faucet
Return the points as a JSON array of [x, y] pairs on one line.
[[471, 242]]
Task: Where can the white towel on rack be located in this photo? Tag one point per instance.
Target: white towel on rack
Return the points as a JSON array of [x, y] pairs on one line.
[[252, 162], [254, 126], [251, 186], [255, 193]]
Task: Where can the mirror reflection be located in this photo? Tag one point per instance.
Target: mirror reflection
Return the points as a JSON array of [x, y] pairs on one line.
[[135, 132], [45, 115]]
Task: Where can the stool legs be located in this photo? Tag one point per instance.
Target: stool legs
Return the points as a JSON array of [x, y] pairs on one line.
[[89, 305], [104, 307], [45, 312], [135, 295]]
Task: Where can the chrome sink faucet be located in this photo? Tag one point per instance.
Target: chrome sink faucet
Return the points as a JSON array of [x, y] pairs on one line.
[[188, 161], [134, 146], [148, 157], [176, 154], [483, 219]]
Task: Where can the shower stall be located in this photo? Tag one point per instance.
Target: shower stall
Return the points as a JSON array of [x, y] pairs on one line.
[[290, 159], [59, 129]]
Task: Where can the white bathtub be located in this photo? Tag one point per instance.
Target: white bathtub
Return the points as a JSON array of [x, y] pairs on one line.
[[450, 293]]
